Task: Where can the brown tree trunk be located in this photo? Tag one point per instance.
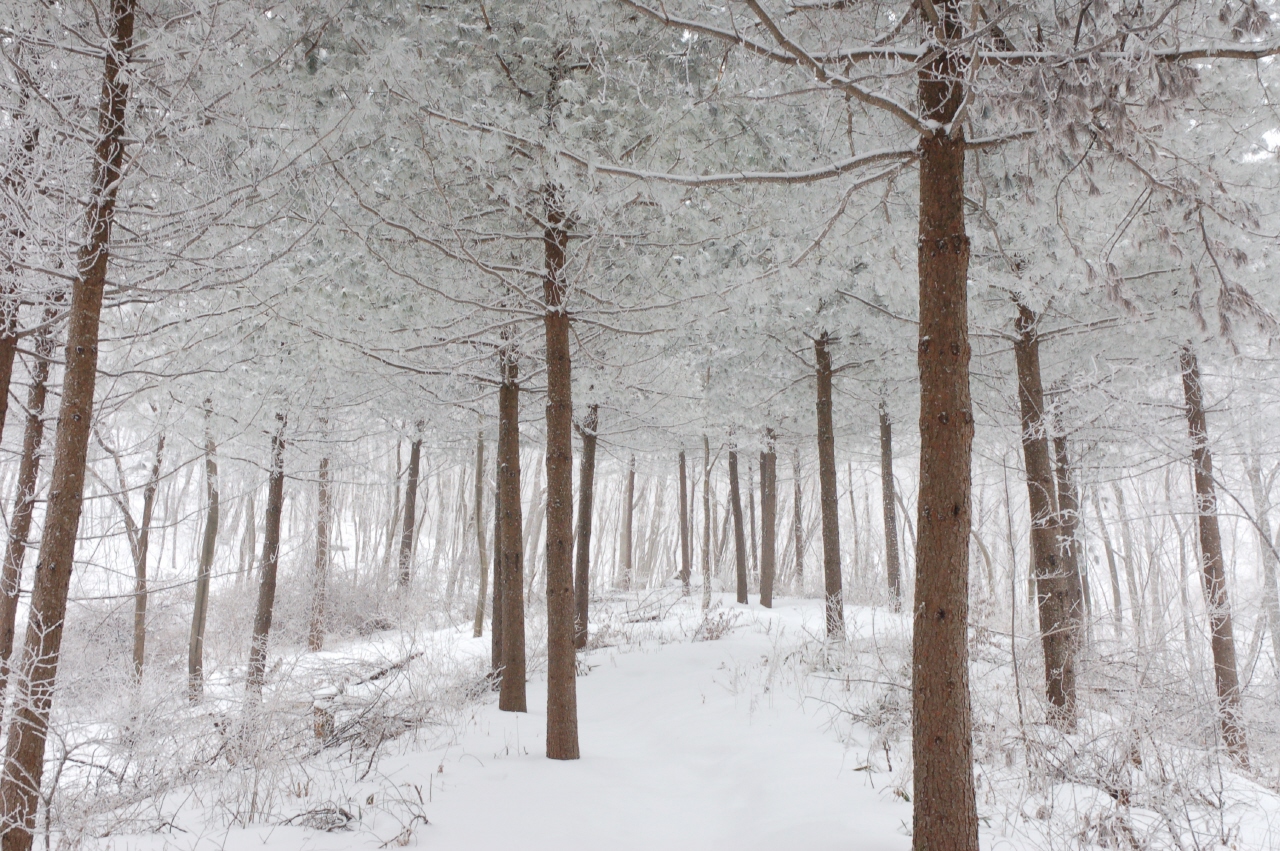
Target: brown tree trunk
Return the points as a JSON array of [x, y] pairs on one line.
[[945, 808], [1222, 640], [768, 520], [24, 500], [257, 672], [140, 562], [586, 508], [562, 688], [739, 539], [320, 578], [410, 512], [195, 646], [512, 696], [706, 523], [37, 666], [892, 559], [827, 493], [477, 626], [797, 520], [1055, 591], [628, 516], [686, 552]]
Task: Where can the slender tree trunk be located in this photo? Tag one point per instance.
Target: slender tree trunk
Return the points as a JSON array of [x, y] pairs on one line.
[[945, 807], [512, 696], [410, 512], [586, 507], [739, 539], [768, 519], [1055, 590], [320, 578], [562, 688], [477, 627], [1117, 618], [628, 516], [892, 560], [24, 501], [797, 520], [195, 646], [686, 553], [140, 563], [1222, 640], [1270, 562], [706, 523], [37, 666], [257, 672], [828, 496]]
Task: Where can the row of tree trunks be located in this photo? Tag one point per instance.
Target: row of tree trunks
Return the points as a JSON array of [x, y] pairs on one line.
[[1056, 597], [1222, 639], [586, 500], [257, 672], [768, 518], [511, 696], [195, 646], [37, 666], [828, 497], [945, 816], [320, 574]]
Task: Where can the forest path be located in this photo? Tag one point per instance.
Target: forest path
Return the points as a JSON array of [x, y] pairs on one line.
[[685, 745]]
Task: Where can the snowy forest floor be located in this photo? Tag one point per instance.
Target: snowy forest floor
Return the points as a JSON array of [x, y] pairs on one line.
[[740, 729]]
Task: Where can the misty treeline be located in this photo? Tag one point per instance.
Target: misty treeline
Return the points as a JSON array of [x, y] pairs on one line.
[[332, 322]]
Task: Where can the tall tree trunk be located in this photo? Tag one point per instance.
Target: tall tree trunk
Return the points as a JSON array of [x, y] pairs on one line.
[[892, 560], [739, 539], [320, 577], [512, 696], [945, 807], [1069, 518], [1270, 562], [686, 553], [140, 562], [24, 501], [1117, 617], [562, 687], [586, 507], [628, 518], [797, 520], [768, 519], [706, 523], [1055, 590], [37, 666], [1222, 640], [477, 627], [410, 512], [827, 493], [257, 672], [195, 646]]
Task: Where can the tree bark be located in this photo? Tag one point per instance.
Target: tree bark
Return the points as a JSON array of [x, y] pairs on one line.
[[892, 559], [586, 508], [1055, 590], [686, 553], [945, 808], [270, 562], [195, 646], [562, 694], [739, 539], [828, 497], [797, 520], [37, 666], [768, 520], [512, 696], [477, 627], [24, 500], [410, 512], [706, 523], [1222, 639], [320, 578], [628, 517]]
